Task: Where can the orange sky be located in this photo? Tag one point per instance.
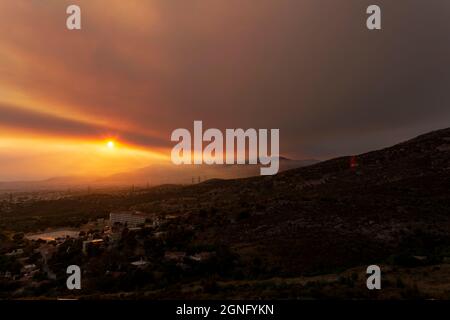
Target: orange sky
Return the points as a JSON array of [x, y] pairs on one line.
[[61, 100], [141, 68]]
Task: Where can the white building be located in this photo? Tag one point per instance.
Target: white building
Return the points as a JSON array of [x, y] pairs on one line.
[[130, 219], [140, 263]]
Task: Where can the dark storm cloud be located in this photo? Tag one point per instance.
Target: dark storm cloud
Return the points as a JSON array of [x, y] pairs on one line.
[[308, 67], [39, 123]]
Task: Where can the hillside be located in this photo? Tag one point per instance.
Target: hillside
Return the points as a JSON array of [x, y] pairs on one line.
[[164, 173], [395, 201]]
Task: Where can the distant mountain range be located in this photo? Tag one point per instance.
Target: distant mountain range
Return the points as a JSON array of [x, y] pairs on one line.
[[157, 174]]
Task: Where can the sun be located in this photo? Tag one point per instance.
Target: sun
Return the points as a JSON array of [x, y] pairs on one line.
[[110, 144]]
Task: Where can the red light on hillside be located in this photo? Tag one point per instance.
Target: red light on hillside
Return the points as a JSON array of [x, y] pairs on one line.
[[353, 162]]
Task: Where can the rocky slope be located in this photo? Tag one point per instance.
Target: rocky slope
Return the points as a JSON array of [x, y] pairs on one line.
[[339, 213]]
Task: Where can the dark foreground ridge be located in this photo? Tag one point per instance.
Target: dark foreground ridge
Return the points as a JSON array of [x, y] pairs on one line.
[[286, 236], [342, 212]]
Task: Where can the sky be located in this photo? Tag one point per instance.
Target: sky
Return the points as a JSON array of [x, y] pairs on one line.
[[140, 69]]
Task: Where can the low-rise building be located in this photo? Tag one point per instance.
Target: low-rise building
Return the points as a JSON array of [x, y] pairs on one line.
[[140, 263], [127, 218], [15, 253], [201, 256], [177, 256]]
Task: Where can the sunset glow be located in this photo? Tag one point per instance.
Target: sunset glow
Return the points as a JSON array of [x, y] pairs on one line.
[[106, 98], [40, 157]]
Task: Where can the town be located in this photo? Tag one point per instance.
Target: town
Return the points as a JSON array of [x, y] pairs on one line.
[[122, 251]]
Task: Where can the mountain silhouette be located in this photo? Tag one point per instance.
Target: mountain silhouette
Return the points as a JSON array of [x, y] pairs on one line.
[[343, 212]]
